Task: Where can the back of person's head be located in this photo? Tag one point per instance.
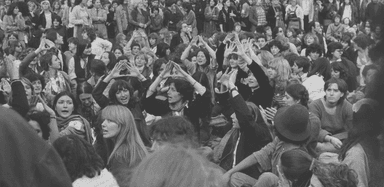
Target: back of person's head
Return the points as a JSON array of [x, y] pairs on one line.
[[162, 50], [295, 165], [175, 166], [73, 40], [98, 67], [314, 48], [79, 157], [84, 88], [291, 57], [363, 41], [302, 62], [173, 130]]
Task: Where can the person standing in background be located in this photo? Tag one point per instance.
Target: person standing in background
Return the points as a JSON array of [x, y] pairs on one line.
[[308, 11], [99, 17]]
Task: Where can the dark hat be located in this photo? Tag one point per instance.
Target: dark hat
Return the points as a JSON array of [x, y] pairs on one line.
[[169, 3], [292, 122]]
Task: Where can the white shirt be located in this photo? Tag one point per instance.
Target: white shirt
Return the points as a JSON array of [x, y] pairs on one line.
[[99, 46], [48, 19], [306, 5], [347, 12], [105, 179]]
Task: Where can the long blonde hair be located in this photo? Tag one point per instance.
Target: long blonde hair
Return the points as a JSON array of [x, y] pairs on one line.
[[282, 68], [128, 145], [176, 166]]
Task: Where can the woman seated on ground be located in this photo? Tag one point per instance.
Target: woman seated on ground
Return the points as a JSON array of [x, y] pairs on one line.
[[335, 114], [127, 151]]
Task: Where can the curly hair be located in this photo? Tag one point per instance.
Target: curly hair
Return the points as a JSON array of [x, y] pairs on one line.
[[79, 157], [184, 88], [335, 175]]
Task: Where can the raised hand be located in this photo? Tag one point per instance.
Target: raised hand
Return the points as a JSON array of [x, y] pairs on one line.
[[178, 69], [115, 73], [46, 107], [166, 72], [133, 71], [194, 40], [229, 49]]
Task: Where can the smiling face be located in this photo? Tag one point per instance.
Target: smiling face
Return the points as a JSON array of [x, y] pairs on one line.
[[64, 106], [296, 69], [333, 94], [314, 56], [252, 81], [110, 129], [201, 59], [37, 86], [123, 96], [173, 95]]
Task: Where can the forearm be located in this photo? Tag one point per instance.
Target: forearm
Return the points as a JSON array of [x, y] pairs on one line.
[[54, 134], [198, 87], [152, 89], [247, 162], [185, 53]]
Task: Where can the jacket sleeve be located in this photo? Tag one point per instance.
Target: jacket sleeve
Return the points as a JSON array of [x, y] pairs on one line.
[[242, 112], [98, 95], [252, 16], [19, 98], [25, 63], [259, 74], [155, 106]]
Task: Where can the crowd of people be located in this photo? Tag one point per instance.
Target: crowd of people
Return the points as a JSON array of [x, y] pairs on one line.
[[194, 93]]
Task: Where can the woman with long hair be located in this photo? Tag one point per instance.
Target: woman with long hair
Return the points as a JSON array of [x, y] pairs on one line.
[[14, 22], [122, 92], [128, 149], [278, 72], [88, 107], [68, 121]]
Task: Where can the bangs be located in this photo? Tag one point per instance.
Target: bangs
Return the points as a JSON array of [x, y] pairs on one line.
[[109, 113]]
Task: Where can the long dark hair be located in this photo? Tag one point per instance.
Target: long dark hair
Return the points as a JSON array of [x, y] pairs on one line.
[[322, 67], [79, 157], [70, 95]]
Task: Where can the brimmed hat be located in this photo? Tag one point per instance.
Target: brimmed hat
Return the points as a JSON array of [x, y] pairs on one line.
[[292, 122]]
